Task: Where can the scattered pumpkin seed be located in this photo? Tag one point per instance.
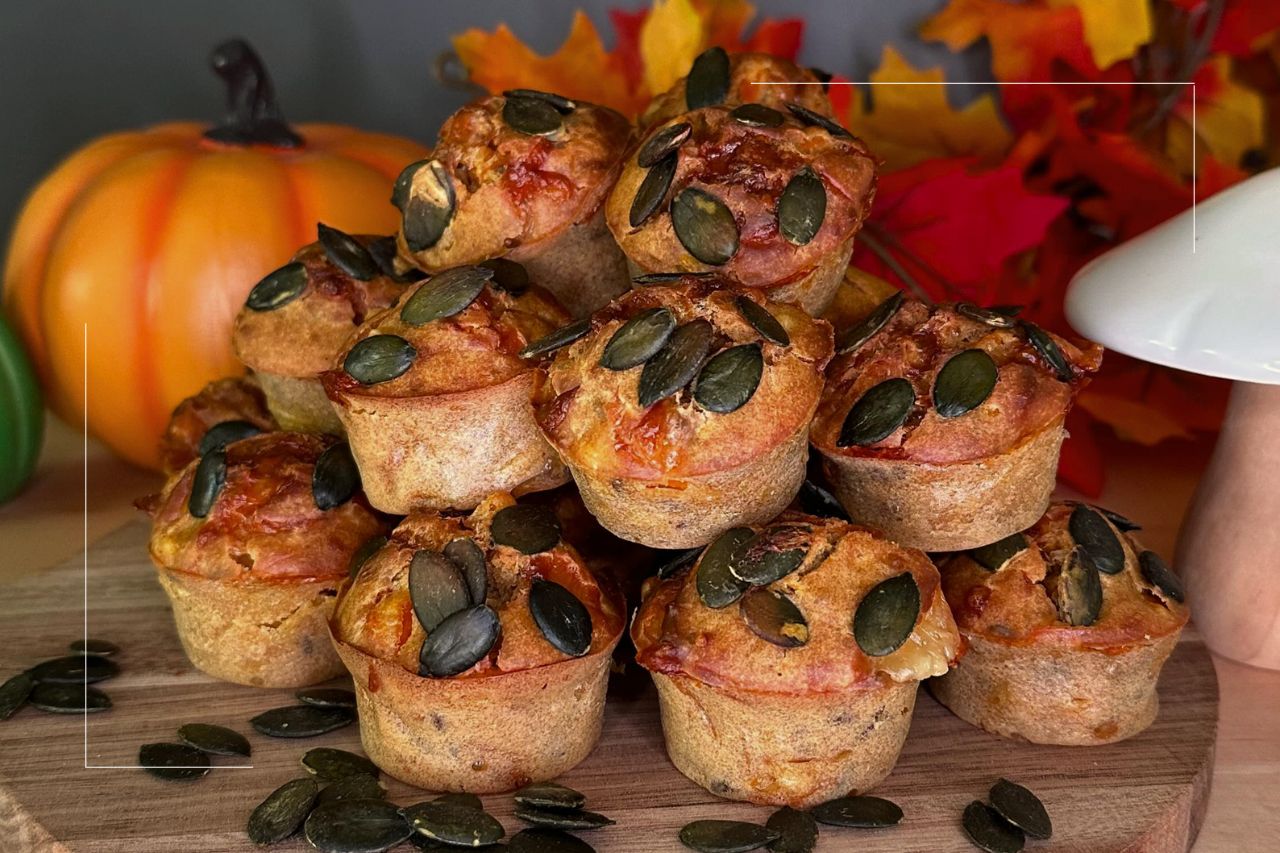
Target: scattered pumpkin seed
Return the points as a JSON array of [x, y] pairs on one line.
[[1020, 807], [560, 102], [638, 339], [379, 358], [809, 117], [173, 760], [458, 825], [860, 812], [532, 116], [328, 764], [1049, 351], [652, 190], [989, 831], [370, 547], [991, 557], [327, 697], [460, 798], [762, 321], [529, 528], [774, 618], [356, 826], [467, 556], [278, 288], [101, 648], [725, 836], [427, 214], [816, 500], [855, 336], [295, 721], [561, 819], [210, 477], [561, 337], [717, 585], [677, 562], [675, 365], [550, 795], [1092, 533], [797, 831], [756, 115], [771, 554], [283, 811], [705, 226], [437, 588], [335, 478], [385, 253], [543, 840], [877, 413], [218, 436], [445, 294], [215, 740], [1157, 573], [507, 275], [802, 207], [361, 786], [729, 379], [75, 669], [69, 699], [708, 80], [404, 183], [347, 253], [887, 615], [964, 383], [985, 315], [1077, 589], [14, 694], [663, 143], [459, 642], [561, 617]]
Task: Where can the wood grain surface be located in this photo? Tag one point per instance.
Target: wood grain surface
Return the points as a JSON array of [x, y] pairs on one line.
[[1146, 795]]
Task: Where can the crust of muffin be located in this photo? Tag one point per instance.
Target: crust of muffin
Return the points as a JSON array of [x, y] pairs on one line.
[[480, 735], [1055, 694], [781, 749], [233, 398], [299, 404], [257, 633], [582, 265], [950, 507]]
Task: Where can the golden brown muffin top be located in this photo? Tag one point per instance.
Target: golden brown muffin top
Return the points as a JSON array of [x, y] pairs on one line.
[[856, 610], [889, 397], [236, 402], [747, 82], [508, 172], [297, 318], [380, 610], [460, 330], [692, 343], [1077, 578], [761, 204], [256, 512]]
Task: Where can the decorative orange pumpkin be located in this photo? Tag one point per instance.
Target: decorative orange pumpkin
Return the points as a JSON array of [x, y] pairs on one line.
[[153, 238]]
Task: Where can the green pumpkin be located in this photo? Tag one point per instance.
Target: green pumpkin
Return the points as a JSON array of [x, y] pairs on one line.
[[21, 415]]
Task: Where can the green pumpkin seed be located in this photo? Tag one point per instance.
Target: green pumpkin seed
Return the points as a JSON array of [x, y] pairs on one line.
[[455, 825], [729, 379], [859, 812], [708, 80], [326, 697], [638, 340], [887, 615], [328, 764], [993, 556], [549, 795], [295, 721], [363, 553], [802, 207], [385, 252], [762, 320], [278, 288], [985, 315], [460, 798], [878, 413], [717, 586], [725, 836], [347, 253], [757, 115], [335, 479], [1092, 533], [774, 618], [507, 275], [1020, 807], [771, 554], [101, 648], [989, 831], [1121, 523], [74, 669], [676, 363], [1076, 590], [809, 117], [1007, 310], [663, 143], [529, 528], [467, 556], [215, 740], [559, 819], [356, 826], [221, 434], [561, 337], [532, 116], [855, 336], [69, 699], [1158, 574], [379, 358], [705, 226], [668, 277], [446, 294], [427, 213], [361, 786], [816, 500], [459, 642], [560, 102], [823, 77], [653, 189], [14, 694], [544, 840], [563, 620], [283, 811], [797, 831], [173, 760], [210, 477], [404, 183], [436, 588], [964, 383], [1049, 351], [677, 562]]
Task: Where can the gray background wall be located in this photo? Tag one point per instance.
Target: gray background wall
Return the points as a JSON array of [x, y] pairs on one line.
[[73, 69]]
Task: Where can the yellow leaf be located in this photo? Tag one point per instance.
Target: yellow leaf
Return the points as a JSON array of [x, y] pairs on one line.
[[858, 295], [1230, 118], [671, 37], [1113, 29], [1132, 419], [911, 123]]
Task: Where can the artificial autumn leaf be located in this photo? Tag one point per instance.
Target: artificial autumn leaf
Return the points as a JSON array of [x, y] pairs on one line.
[[1230, 119], [906, 124], [1026, 38], [670, 38], [1113, 29], [1246, 26]]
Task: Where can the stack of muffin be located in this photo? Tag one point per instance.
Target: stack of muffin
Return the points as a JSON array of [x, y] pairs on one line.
[[636, 310]]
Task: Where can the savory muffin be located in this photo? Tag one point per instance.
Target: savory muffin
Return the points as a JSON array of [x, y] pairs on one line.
[[764, 198], [941, 425], [684, 409], [787, 658], [521, 175], [479, 645], [223, 411], [251, 541], [435, 398], [1068, 624], [297, 318]]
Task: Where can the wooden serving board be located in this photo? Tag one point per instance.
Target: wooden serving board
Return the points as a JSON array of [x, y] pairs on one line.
[[1146, 795]]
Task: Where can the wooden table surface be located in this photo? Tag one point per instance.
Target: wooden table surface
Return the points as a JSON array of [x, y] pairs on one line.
[[48, 523]]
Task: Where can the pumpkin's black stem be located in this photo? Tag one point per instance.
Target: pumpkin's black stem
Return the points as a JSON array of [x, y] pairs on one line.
[[253, 116]]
